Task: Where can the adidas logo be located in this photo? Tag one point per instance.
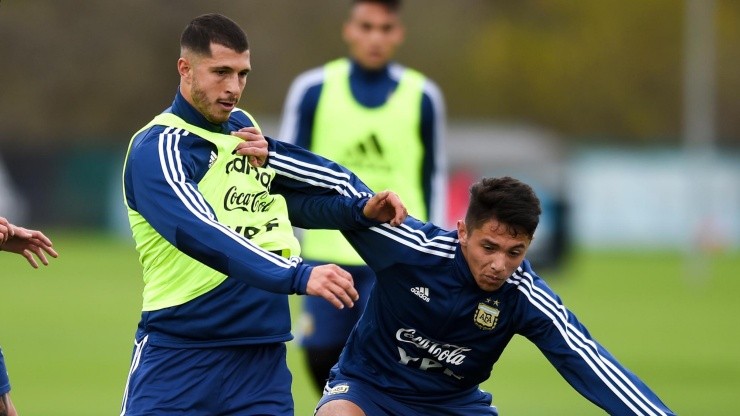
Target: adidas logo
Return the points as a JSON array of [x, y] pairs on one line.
[[212, 159], [367, 154], [422, 292]]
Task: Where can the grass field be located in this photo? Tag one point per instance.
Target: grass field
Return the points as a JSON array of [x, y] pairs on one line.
[[66, 331]]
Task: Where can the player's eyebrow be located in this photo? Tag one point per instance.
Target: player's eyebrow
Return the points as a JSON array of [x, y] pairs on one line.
[[228, 68], [490, 242]]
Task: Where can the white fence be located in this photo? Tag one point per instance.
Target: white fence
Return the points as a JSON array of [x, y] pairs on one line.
[[654, 199]]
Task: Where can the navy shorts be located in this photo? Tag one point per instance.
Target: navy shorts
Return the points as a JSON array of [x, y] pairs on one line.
[[324, 326], [377, 403], [243, 380], [4, 380]]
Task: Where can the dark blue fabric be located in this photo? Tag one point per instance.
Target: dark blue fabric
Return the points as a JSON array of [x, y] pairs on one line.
[[315, 333], [4, 379], [206, 382], [378, 403]]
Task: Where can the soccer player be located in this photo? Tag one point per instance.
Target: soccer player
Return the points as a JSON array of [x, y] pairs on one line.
[[446, 304], [216, 243], [383, 121], [27, 243]]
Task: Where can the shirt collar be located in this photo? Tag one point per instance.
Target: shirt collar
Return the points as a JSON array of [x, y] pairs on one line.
[[368, 74], [462, 266]]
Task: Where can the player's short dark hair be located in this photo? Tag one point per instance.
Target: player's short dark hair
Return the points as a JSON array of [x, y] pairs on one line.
[[213, 28], [508, 201], [392, 5]]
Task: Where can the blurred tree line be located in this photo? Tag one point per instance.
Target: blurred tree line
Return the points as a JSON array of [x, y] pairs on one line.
[[80, 71]]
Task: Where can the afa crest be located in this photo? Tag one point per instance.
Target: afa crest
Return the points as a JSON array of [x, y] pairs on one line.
[[486, 316]]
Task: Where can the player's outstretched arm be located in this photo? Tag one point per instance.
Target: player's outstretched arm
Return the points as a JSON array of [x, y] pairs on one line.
[[587, 366], [333, 284], [28, 243]]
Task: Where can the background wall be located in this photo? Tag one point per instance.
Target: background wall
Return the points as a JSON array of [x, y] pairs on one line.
[[595, 72]]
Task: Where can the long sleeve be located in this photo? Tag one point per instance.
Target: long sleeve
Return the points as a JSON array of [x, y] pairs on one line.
[[300, 107], [323, 194], [309, 211], [379, 245], [581, 360], [303, 171], [410, 243]]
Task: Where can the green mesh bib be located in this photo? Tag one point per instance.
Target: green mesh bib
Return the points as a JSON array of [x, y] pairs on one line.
[[239, 195]]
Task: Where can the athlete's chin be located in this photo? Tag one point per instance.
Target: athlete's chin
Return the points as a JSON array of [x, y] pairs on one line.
[[219, 116], [490, 285], [374, 61]]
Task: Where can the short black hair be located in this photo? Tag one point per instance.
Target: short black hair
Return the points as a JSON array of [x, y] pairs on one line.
[[213, 28], [507, 200], [392, 5]]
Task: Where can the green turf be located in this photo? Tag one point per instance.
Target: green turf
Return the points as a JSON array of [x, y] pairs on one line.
[[67, 330]]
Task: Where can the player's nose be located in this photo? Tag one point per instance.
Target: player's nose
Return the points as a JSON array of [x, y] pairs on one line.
[[497, 263]]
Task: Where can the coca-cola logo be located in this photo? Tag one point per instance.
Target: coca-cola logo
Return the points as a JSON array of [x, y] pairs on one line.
[[247, 201], [444, 353]]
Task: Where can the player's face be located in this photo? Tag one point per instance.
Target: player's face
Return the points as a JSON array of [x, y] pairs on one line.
[[373, 33], [492, 252], [213, 84]]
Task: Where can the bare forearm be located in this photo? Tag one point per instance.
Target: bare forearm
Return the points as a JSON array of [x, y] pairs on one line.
[[6, 406]]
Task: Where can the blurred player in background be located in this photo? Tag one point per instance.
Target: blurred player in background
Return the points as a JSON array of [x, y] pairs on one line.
[[27, 243], [445, 306], [384, 122]]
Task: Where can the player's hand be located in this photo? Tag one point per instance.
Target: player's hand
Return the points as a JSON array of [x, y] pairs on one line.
[[334, 284], [6, 405], [6, 230], [254, 146], [28, 243], [385, 206]]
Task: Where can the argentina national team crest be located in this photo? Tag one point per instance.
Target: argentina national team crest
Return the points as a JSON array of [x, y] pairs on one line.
[[486, 316]]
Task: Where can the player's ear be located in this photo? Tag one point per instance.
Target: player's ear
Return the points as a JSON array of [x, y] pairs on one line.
[[183, 66], [462, 233]]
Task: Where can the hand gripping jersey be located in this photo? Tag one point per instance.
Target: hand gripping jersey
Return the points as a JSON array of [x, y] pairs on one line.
[[429, 331]]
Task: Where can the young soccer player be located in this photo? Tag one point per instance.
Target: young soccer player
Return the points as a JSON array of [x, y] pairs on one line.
[[217, 248], [446, 304]]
